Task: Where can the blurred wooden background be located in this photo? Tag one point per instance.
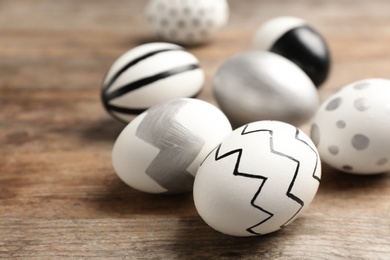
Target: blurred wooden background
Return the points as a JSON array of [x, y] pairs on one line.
[[59, 196]]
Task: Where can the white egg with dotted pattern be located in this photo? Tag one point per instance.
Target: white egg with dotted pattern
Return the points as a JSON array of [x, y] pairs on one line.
[[187, 22], [351, 129]]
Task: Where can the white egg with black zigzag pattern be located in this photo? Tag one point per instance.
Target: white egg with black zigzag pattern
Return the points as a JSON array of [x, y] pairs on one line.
[[259, 179], [147, 75]]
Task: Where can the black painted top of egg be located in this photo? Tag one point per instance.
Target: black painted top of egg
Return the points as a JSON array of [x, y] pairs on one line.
[[297, 41]]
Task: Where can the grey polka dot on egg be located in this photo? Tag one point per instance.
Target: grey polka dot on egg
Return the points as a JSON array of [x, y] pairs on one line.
[[362, 104], [382, 161], [361, 85], [196, 22], [333, 149], [333, 104], [181, 24], [315, 134], [360, 142], [347, 167], [164, 22], [341, 124]]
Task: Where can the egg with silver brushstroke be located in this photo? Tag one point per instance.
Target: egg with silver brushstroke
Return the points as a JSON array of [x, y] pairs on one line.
[[298, 41], [147, 75], [187, 22], [161, 149], [259, 85], [260, 178], [351, 129]]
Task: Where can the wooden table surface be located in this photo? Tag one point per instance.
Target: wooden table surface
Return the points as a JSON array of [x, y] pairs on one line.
[[59, 195]]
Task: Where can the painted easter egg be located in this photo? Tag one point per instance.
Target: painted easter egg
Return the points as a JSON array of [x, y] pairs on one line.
[[296, 40], [161, 149], [351, 129], [187, 22], [259, 179], [147, 75], [259, 85]]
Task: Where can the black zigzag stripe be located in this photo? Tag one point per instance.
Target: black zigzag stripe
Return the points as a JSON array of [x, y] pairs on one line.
[[133, 62], [316, 154], [289, 194], [236, 172], [148, 80]]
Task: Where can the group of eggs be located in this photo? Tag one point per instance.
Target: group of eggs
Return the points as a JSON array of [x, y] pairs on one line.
[[259, 177]]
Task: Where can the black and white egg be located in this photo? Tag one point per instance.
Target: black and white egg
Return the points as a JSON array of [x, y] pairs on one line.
[[259, 179], [149, 74], [351, 129], [261, 85], [298, 41], [187, 22]]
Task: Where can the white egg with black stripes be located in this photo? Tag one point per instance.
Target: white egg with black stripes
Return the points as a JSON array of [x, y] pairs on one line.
[[259, 179], [161, 149], [147, 75]]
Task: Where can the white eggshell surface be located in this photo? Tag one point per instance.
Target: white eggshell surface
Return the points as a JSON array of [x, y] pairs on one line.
[[352, 128], [147, 75], [161, 149], [259, 179], [267, 34], [260, 85], [187, 21]]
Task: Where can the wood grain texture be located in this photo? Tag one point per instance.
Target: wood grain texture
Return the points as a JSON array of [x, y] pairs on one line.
[[59, 196]]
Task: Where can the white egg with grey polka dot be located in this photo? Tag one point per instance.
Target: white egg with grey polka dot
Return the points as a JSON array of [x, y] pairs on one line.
[[352, 128], [187, 22]]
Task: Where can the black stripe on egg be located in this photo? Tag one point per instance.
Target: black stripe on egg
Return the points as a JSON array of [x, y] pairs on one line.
[[125, 110], [133, 111], [137, 84], [148, 80], [306, 48], [134, 62]]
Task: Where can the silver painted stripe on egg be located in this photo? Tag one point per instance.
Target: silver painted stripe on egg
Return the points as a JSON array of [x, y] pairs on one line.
[[178, 147]]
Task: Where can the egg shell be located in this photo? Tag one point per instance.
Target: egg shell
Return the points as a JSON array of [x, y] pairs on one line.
[[259, 179], [188, 22], [351, 129], [147, 75], [161, 149], [298, 41], [259, 85]]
